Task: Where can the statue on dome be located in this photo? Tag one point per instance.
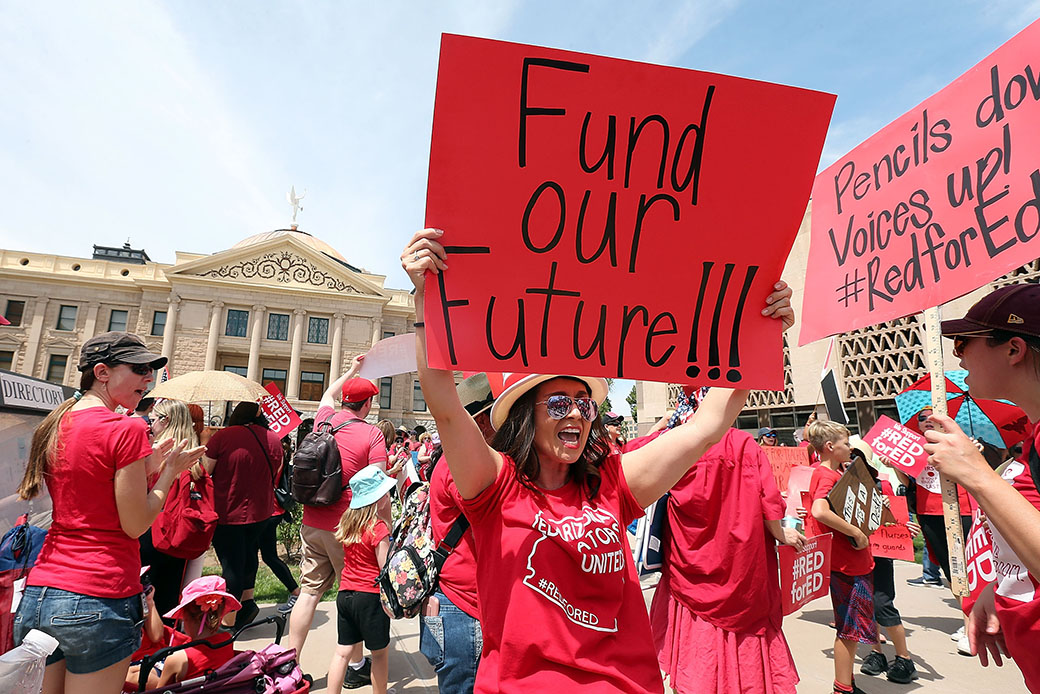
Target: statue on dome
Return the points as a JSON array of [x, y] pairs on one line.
[[294, 200]]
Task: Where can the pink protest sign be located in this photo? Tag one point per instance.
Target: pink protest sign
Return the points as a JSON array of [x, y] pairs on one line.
[[281, 417], [939, 202], [901, 446], [894, 541], [805, 575], [798, 481]]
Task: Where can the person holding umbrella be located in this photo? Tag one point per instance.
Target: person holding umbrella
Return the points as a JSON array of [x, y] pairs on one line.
[[998, 342]]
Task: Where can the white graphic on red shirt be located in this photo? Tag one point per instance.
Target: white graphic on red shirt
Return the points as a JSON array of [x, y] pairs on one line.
[[589, 543], [1013, 580], [929, 479]]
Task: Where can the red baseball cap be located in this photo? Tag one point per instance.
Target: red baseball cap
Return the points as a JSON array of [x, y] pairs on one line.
[[358, 389], [1014, 309]]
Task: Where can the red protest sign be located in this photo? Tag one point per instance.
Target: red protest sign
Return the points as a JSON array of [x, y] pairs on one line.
[[605, 217], [805, 575], [902, 446], [281, 417], [782, 459], [940, 201], [894, 541]]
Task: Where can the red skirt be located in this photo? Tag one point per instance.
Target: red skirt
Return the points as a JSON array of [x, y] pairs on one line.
[[700, 658]]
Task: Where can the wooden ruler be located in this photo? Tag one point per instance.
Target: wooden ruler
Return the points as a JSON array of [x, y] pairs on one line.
[[951, 506]]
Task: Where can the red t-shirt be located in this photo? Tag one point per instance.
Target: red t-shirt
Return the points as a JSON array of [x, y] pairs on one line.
[[245, 474], [86, 550], [720, 561], [360, 564], [844, 557], [360, 444], [560, 603], [458, 578], [929, 494], [203, 658], [170, 637], [1017, 590]]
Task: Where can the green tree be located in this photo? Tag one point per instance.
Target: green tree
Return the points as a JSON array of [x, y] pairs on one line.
[[631, 400], [604, 406]]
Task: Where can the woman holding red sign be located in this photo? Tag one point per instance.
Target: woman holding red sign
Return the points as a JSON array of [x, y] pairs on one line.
[[998, 342], [548, 503]]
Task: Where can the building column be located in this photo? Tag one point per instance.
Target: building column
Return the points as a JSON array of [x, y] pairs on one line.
[[168, 337], [377, 329], [214, 332], [292, 387], [90, 326], [336, 365], [253, 370], [32, 347]]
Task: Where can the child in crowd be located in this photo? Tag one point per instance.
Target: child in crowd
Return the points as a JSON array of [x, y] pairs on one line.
[[365, 538], [852, 586], [203, 605]]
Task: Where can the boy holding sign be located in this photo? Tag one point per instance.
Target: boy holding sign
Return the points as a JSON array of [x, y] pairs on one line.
[[852, 585]]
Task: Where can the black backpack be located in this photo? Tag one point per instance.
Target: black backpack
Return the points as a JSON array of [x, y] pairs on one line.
[[317, 469]]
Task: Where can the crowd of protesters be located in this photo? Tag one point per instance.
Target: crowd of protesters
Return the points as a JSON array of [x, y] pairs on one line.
[[542, 591]]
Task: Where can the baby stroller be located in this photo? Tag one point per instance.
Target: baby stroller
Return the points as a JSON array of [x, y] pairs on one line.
[[271, 670]]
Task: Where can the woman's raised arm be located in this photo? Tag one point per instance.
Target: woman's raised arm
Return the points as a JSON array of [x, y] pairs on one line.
[[474, 465]]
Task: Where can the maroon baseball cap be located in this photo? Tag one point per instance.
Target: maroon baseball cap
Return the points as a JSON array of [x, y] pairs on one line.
[[358, 389], [1013, 309]]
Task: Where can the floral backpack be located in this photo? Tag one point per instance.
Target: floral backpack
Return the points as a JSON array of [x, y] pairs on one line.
[[413, 563]]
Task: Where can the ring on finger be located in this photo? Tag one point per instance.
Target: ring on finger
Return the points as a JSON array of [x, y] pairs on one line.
[[415, 255]]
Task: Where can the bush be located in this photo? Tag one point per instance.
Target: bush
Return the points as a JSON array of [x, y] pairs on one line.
[[289, 535]]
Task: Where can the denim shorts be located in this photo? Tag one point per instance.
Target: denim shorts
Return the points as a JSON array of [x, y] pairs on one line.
[[92, 633]]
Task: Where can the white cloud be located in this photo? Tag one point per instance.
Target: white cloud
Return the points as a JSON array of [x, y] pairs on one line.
[[687, 24]]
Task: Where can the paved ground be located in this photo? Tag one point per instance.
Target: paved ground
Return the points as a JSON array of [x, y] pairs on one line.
[[928, 613]]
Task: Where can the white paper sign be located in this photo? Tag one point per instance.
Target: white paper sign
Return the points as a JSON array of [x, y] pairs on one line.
[[389, 357]]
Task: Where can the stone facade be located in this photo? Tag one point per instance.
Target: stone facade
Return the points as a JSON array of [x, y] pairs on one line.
[[281, 306]]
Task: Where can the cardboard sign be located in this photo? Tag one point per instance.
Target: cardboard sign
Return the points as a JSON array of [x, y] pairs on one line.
[[610, 218], [856, 499], [281, 417], [902, 446], [805, 575], [894, 541], [981, 569], [782, 459], [798, 484], [936, 204], [389, 357]]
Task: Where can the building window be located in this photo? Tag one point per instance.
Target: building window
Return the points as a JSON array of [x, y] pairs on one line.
[[66, 318], [240, 370], [318, 331], [388, 333], [312, 385], [276, 376], [159, 323], [386, 386], [237, 323], [56, 368], [7, 359], [117, 320], [15, 311], [418, 401], [278, 326]]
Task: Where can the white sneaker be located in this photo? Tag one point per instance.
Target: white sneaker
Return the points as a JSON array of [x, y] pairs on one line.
[[963, 647], [957, 635]]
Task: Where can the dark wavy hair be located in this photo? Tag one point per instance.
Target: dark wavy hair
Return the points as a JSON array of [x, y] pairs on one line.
[[515, 438]]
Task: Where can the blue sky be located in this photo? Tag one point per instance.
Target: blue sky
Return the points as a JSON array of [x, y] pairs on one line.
[[182, 125]]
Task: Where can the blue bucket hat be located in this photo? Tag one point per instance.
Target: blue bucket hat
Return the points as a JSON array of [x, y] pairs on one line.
[[369, 486]]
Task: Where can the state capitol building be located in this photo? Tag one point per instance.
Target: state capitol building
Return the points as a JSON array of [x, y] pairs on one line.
[[285, 307]]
